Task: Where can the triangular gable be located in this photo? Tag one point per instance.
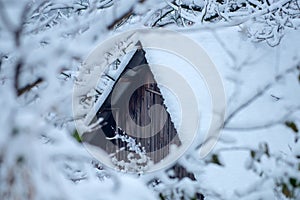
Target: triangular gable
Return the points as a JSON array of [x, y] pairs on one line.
[[157, 146]]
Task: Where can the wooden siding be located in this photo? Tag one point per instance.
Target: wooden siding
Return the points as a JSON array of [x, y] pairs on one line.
[[141, 100]]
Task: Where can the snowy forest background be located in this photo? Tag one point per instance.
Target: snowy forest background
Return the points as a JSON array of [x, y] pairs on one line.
[[254, 45]]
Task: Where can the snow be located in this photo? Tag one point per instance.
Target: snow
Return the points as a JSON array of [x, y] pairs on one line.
[[196, 84], [234, 176], [105, 85], [41, 160]]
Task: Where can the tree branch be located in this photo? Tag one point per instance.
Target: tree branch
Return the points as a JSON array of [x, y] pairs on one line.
[[28, 87], [257, 95], [121, 19]]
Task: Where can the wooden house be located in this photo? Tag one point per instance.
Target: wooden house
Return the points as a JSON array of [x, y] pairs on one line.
[[157, 146]]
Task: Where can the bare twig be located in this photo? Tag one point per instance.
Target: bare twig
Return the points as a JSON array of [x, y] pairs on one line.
[[247, 103], [242, 20], [257, 95], [121, 19], [29, 86], [161, 17]]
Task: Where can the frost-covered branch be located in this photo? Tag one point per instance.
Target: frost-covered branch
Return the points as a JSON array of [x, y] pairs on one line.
[[257, 95], [261, 20]]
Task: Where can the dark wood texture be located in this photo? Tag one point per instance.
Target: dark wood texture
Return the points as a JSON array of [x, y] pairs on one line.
[[141, 100]]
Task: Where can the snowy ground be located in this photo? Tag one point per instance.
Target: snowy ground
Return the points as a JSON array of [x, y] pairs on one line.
[[38, 151], [257, 65], [245, 68]]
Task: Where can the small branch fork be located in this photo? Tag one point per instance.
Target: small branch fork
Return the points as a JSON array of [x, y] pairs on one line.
[[255, 97]]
